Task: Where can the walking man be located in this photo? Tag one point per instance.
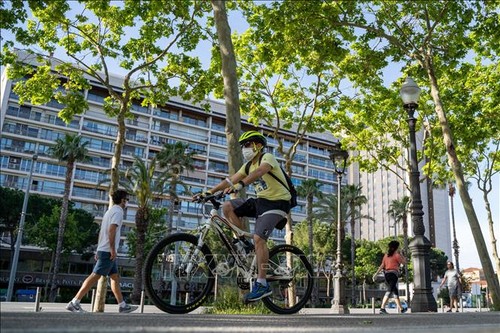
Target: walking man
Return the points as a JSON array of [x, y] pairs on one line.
[[109, 238]]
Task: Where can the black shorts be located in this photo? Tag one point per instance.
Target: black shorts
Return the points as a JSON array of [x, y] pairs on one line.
[[268, 213]]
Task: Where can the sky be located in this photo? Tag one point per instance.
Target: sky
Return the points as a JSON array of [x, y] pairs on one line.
[[468, 256]]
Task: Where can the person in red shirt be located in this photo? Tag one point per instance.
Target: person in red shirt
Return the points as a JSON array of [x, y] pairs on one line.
[[390, 265]]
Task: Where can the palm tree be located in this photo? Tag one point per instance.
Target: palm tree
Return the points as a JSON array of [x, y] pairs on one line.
[[451, 193], [175, 158], [353, 199], [309, 189], [326, 210], [69, 150], [399, 210], [142, 181]]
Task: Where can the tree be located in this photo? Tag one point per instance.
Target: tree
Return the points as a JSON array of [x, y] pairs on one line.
[[176, 158], [11, 201], [228, 69], [80, 231], [155, 231], [69, 150], [309, 189], [151, 41], [432, 42], [322, 246], [354, 199], [368, 258], [282, 86], [141, 181], [484, 183], [451, 193]]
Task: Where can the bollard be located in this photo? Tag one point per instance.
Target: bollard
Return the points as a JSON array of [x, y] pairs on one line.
[[441, 304], [142, 302], [92, 300], [373, 305], [37, 300], [479, 303]]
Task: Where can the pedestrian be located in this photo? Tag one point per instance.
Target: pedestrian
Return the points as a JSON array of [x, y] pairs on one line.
[[452, 280], [109, 239], [390, 265], [270, 208]]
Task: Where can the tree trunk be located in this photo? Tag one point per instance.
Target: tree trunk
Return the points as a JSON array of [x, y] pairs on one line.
[[353, 257], [231, 90], [456, 167], [115, 176], [62, 226], [493, 239], [141, 222], [310, 242]]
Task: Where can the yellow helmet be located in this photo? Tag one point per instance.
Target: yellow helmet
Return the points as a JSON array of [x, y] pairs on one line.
[[252, 136]]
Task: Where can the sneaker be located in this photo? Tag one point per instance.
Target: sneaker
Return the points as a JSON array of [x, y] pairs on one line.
[[258, 292], [449, 310], [127, 308], [74, 308], [403, 310], [382, 311]]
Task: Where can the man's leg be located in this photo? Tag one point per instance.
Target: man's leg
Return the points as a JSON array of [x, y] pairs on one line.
[[262, 254], [89, 282], [228, 210], [115, 287]]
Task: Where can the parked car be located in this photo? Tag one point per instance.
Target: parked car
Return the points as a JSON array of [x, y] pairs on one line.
[[392, 304]]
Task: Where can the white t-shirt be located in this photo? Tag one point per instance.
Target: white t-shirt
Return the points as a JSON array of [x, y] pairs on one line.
[[451, 278], [114, 215]]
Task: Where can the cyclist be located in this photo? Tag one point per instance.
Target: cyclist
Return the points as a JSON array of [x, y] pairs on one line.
[[269, 208]]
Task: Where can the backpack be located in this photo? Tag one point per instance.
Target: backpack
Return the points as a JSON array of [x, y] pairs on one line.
[[290, 187]]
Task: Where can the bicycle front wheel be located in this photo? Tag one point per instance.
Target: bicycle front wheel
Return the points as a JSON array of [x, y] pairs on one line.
[[177, 275], [290, 277]]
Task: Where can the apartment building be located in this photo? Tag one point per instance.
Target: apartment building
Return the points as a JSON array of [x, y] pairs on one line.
[[28, 129], [382, 187], [31, 129]]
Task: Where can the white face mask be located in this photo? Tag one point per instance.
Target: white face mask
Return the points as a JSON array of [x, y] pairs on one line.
[[249, 153]]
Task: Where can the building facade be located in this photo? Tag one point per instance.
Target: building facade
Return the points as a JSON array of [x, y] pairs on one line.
[[32, 129]]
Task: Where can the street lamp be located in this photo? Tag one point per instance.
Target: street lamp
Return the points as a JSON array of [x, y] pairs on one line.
[[19, 238], [339, 159], [423, 300]]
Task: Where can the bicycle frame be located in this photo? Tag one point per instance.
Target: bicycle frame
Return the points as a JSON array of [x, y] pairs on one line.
[[217, 223]]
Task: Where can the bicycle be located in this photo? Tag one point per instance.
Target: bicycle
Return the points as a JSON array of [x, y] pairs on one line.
[[180, 270]]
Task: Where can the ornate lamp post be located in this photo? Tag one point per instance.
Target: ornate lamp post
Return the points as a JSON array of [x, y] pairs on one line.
[[339, 159], [423, 300]]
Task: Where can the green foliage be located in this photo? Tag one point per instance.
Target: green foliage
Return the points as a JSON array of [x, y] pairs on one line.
[[11, 202], [323, 241], [437, 259], [155, 231], [79, 235], [229, 301]]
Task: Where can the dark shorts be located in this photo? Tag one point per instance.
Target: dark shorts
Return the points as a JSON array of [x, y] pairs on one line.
[[392, 281], [260, 210], [453, 291], [105, 266]]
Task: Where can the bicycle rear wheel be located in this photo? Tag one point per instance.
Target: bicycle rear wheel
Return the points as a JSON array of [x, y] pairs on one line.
[[177, 276], [290, 277]]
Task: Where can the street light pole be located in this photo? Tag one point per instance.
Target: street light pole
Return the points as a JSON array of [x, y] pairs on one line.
[[19, 238], [339, 159], [423, 300]]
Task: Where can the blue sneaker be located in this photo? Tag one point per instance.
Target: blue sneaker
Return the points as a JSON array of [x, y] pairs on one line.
[[258, 292]]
